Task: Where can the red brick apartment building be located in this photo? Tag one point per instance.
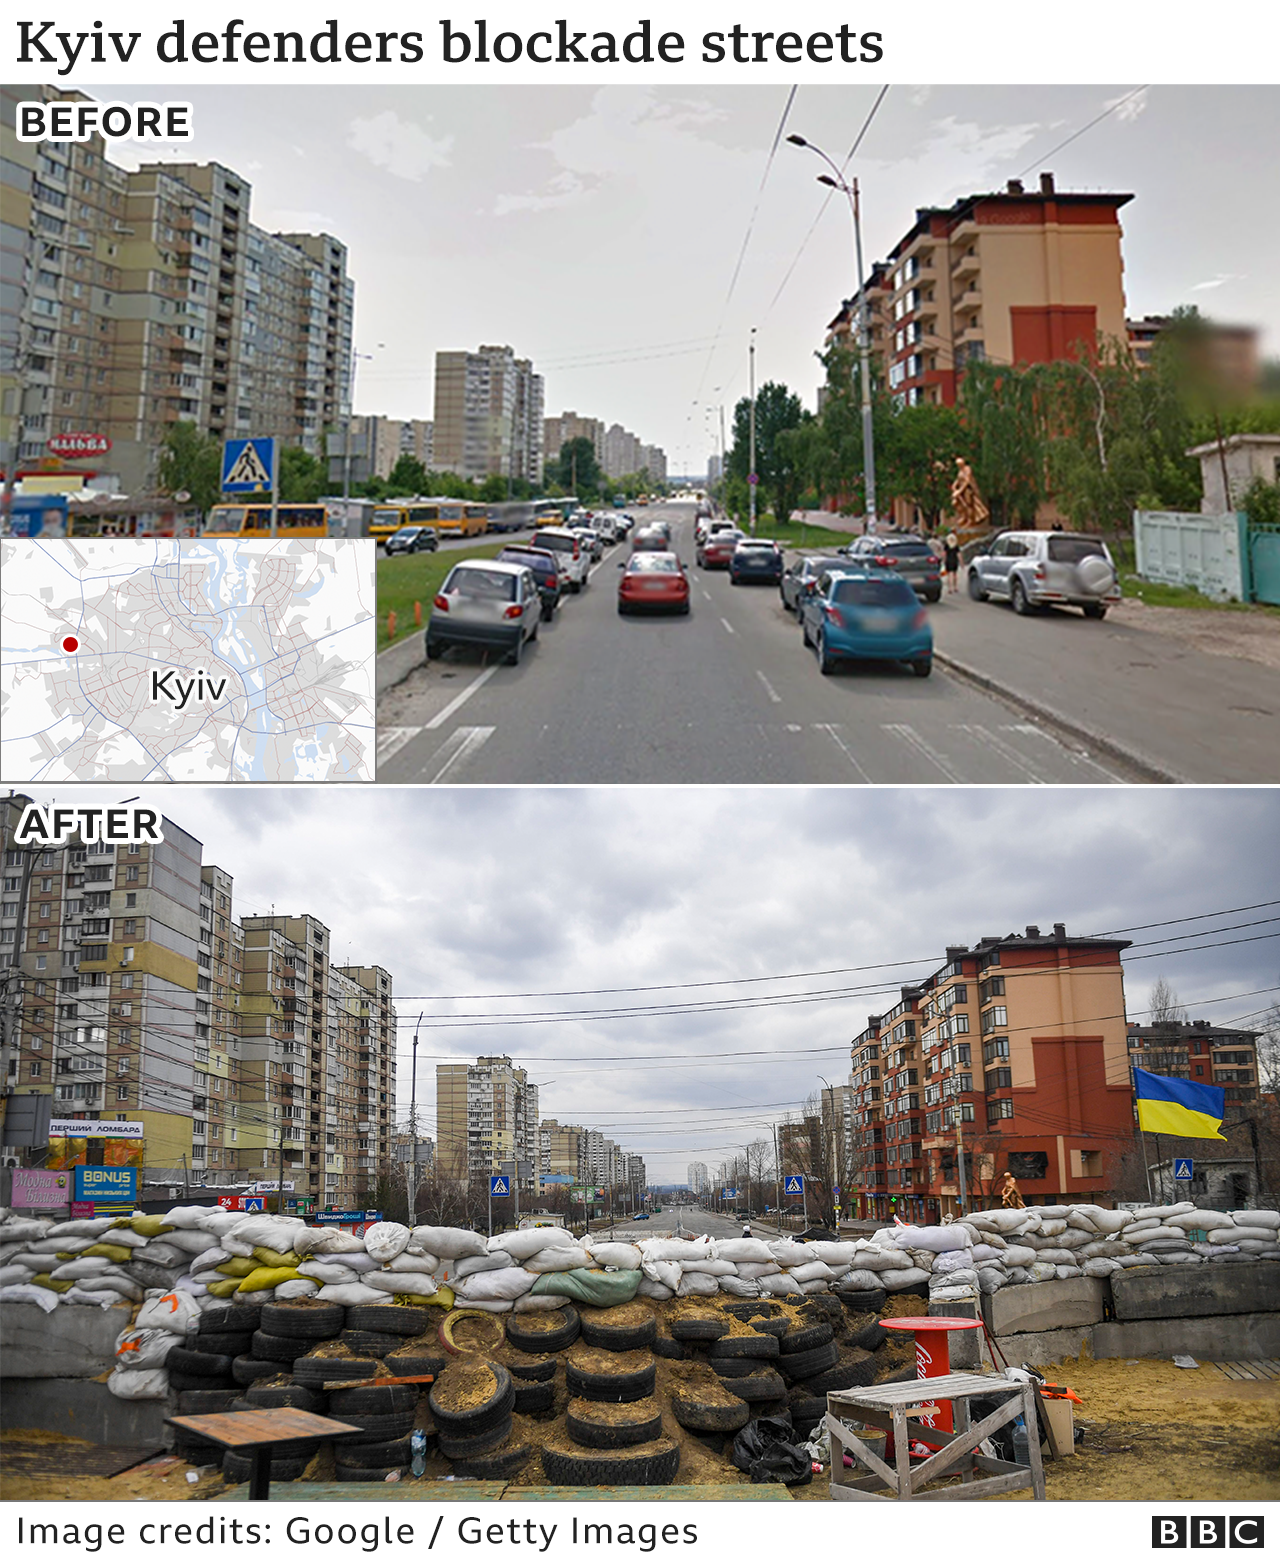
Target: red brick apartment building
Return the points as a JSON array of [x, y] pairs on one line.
[[1013, 1053]]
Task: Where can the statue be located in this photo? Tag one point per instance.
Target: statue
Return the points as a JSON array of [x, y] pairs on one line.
[[1010, 1195], [966, 503]]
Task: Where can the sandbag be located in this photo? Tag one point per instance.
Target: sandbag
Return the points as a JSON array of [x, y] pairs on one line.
[[779, 1286], [756, 1269], [533, 1303], [524, 1242], [625, 1256], [980, 1254], [61, 1244], [176, 1312], [266, 1256], [137, 1348], [599, 1289], [276, 1233], [738, 1250], [125, 1237], [1256, 1219], [1099, 1266], [384, 1241], [24, 1229], [568, 1258], [191, 1241], [677, 1249], [219, 1220], [991, 1278], [1042, 1271], [326, 1241], [815, 1271], [509, 1284], [787, 1253], [79, 1295], [952, 1260], [896, 1281], [113, 1282], [296, 1287], [1105, 1219], [15, 1273], [266, 1277], [139, 1384], [491, 1260], [882, 1260], [348, 1293], [1018, 1255], [447, 1243], [833, 1252], [83, 1266], [424, 1265], [29, 1293], [936, 1237], [1202, 1218], [665, 1271], [325, 1271], [401, 1282], [735, 1287], [694, 1285], [859, 1282], [184, 1216], [709, 1268], [659, 1291]]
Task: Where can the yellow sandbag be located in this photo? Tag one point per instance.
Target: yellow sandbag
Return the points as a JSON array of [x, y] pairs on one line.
[[148, 1226], [44, 1280], [225, 1288], [115, 1252], [266, 1257], [238, 1266], [442, 1298], [266, 1277]]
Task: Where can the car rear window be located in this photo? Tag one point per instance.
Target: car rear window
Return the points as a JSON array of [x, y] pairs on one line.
[[908, 548], [1070, 549], [873, 592], [528, 560], [560, 543], [483, 583], [653, 562]]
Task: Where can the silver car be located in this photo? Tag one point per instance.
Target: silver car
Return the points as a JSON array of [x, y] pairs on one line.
[[799, 578], [1035, 568], [488, 605]]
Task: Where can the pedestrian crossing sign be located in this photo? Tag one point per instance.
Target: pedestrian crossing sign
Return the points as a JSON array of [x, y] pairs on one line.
[[793, 1185], [1182, 1170], [247, 464], [499, 1185]]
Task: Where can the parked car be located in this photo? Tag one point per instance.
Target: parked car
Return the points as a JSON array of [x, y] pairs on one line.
[[412, 538], [860, 615], [717, 549], [1035, 568], [640, 1217], [703, 527], [912, 556], [649, 539], [755, 562], [489, 605], [800, 575], [653, 581], [572, 551], [544, 568]]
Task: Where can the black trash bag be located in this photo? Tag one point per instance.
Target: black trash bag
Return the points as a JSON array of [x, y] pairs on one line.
[[768, 1450]]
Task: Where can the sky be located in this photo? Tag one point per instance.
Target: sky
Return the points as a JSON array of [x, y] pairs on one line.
[[474, 898], [629, 238]]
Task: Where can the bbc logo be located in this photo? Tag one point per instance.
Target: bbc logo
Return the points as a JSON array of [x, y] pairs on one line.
[[1206, 1531]]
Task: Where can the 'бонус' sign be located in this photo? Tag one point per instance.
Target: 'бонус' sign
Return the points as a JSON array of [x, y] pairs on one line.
[[102, 1183]]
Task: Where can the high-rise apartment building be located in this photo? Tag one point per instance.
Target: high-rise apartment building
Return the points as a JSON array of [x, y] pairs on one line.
[[135, 300], [486, 1115], [696, 1177], [1199, 1052], [488, 414], [654, 460], [1019, 276], [558, 431], [559, 1148]]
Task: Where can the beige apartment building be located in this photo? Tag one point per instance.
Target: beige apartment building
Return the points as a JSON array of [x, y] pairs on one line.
[[486, 1115], [488, 415], [558, 431]]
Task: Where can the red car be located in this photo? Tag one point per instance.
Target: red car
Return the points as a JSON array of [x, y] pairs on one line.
[[716, 551], [653, 581]]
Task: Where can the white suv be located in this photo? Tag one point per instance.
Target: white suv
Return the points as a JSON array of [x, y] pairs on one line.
[[572, 551], [1034, 568]]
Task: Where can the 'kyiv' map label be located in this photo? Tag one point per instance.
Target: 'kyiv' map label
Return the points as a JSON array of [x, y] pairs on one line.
[[202, 686]]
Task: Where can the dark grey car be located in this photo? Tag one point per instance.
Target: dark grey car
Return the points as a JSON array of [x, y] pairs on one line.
[[799, 576], [910, 557]]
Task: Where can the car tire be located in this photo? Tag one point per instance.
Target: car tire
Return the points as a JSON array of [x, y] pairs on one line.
[[515, 654], [474, 1419], [870, 1337], [871, 1301], [434, 650], [806, 1365], [763, 1385], [698, 1330], [805, 1338], [376, 1426], [372, 1398], [933, 596], [317, 1321], [247, 1370], [566, 1465], [668, 1347], [639, 1426], [1018, 599], [852, 1374], [826, 662], [532, 1369], [236, 1468], [461, 1447], [411, 1363], [804, 629], [618, 1338], [976, 592], [761, 1345], [390, 1319], [368, 1344], [286, 1394], [548, 612], [622, 610], [503, 1463], [236, 1318], [709, 1417], [1095, 611], [684, 610], [539, 1339], [923, 667], [202, 1365], [193, 1403], [366, 1473], [381, 1454], [611, 1387], [533, 1396]]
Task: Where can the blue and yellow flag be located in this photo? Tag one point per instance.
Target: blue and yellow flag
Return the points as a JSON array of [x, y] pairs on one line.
[[1168, 1106]]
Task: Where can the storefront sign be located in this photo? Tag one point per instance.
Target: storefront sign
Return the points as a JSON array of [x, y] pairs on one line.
[[114, 1128], [41, 1189], [98, 1184]]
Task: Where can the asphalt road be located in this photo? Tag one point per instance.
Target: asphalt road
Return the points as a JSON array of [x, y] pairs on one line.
[[727, 695], [691, 1219]]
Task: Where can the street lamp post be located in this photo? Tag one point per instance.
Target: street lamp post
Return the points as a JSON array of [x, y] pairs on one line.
[[751, 459], [836, 180]]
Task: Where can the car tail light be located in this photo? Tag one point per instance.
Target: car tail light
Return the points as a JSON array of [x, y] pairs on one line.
[[885, 562], [832, 614], [920, 618], [514, 611], [442, 603], [1039, 573]]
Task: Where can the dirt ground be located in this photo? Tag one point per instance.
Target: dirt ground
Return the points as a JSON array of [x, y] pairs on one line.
[[1241, 635]]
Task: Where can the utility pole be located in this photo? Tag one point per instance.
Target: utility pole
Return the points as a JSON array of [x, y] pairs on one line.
[[777, 1178], [751, 478], [413, 1130], [960, 1174]]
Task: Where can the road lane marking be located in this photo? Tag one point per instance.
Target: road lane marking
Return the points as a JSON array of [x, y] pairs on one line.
[[706, 594], [917, 742], [1006, 751], [773, 696], [1074, 753], [465, 742], [437, 720], [726, 624], [393, 738], [834, 732]]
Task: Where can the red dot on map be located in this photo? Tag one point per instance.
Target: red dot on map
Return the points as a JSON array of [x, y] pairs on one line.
[[70, 645]]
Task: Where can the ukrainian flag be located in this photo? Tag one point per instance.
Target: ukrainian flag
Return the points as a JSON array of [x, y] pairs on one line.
[[1168, 1106]]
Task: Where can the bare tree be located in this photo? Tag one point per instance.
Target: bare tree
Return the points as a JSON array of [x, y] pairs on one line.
[[1269, 1051], [1165, 1006]]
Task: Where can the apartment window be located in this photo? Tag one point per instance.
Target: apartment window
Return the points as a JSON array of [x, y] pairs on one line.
[[1000, 1109], [131, 873], [122, 1095], [35, 1068], [1002, 1077], [995, 1049], [126, 981], [994, 1017]]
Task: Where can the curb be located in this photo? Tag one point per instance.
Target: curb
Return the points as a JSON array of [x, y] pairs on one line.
[[1107, 745], [395, 663]]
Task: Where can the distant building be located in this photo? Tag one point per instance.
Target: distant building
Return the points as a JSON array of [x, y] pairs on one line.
[[1230, 351], [371, 445], [697, 1178], [488, 415], [486, 1115], [558, 431], [1199, 1052]]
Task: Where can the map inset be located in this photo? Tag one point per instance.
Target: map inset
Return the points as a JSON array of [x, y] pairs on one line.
[[187, 660]]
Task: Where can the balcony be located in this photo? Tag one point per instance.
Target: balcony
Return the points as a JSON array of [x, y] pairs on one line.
[[968, 302], [967, 265]]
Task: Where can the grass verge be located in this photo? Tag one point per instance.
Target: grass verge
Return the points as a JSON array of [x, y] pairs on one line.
[[1152, 594], [404, 580]]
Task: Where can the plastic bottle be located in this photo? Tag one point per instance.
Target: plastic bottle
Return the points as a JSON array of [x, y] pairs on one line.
[[1021, 1453], [418, 1445]]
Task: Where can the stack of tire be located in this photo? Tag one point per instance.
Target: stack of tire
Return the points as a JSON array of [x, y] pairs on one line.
[[205, 1360], [613, 1431], [476, 1437], [538, 1338], [374, 1330]]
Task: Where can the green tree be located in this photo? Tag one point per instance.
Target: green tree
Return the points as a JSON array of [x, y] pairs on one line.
[[303, 478], [408, 478], [576, 469], [493, 489], [191, 461], [778, 411], [1002, 414], [917, 458]]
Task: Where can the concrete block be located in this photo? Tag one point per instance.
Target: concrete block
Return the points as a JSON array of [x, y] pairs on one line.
[[1209, 1339], [1165, 1292], [965, 1347], [84, 1409], [1045, 1306], [1042, 1349], [76, 1341]]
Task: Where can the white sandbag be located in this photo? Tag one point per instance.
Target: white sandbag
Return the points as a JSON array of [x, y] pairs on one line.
[[493, 1285], [676, 1249], [384, 1241], [192, 1285], [28, 1293], [1256, 1219], [139, 1384], [1108, 1219], [176, 1312], [1057, 1257], [814, 1287], [1136, 1238], [778, 1286], [79, 1295], [1101, 1249], [666, 1272], [346, 1294], [1223, 1235], [709, 1268], [815, 1271], [896, 1281], [83, 1266], [568, 1258], [882, 1260], [448, 1243], [692, 1285], [190, 1241], [88, 1227], [273, 1233], [185, 1216], [1176, 1210], [424, 1265], [923, 1260], [1253, 1246], [1002, 1220], [29, 1261], [935, 1237], [992, 1278], [524, 1242], [947, 1261], [859, 1282], [1018, 1255], [982, 1254], [400, 1282], [1136, 1260], [1074, 1239], [219, 1220], [124, 1236], [208, 1261], [786, 1253], [16, 1273], [626, 1257], [357, 1260], [659, 1290], [139, 1348], [323, 1271], [24, 1229], [326, 1241], [965, 1295], [1168, 1246], [753, 1270], [163, 1256], [1202, 1218], [738, 1287], [1185, 1258], [835, 1252], [113, 1282], [1042, 1271], [492, 1306], [62, 1244], [1099, 1266], [296, 1287], [532, 1303], [738, 1250], [1051, 1227], [491, 1260], [234, 1245]]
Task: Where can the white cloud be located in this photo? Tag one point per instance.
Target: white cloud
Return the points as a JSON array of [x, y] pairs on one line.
[[1219, 280], [562, 189], [1130, 108], [403, 148], [282, 220]]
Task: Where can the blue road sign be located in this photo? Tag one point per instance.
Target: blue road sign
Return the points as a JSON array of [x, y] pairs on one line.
[[793, 1185], [254, 1203], [835, 1192], [728, 1195], [1182, 1170], [247, 464], [499, 1185]]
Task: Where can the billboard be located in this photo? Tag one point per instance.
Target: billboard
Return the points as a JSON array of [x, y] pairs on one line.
[[119, 1141], [41, 1189], [98, 1183]]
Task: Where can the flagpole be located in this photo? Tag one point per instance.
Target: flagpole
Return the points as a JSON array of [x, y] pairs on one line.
[[1133, 1084]]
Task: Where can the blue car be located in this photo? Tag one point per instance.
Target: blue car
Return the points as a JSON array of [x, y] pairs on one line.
[[854, 615]]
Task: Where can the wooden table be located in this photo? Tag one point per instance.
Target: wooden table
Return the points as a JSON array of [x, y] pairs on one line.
[[888, 1407], [260, 1431]]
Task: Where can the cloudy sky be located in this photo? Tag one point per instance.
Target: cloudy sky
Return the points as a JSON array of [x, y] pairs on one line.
[[488, 895], [628, 238]]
